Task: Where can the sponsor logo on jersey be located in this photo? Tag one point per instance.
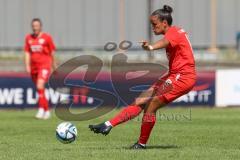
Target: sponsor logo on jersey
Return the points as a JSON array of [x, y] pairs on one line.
[[41, 41], [36, 48]]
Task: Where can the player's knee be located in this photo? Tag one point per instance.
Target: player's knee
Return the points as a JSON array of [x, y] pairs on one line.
[[40, 84], [137, 101], [155, 100], [140, 101], [154, 105]]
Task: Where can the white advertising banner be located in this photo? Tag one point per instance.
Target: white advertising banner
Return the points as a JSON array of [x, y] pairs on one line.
[[228, 87]]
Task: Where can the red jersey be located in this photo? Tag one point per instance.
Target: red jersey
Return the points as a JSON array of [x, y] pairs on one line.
[[40, 49], [179, 51]]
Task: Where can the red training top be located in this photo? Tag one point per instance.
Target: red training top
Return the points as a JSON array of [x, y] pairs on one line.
[[40, 49], [179, 51]]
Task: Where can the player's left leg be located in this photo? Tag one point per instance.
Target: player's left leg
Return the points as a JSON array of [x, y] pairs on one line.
[[42, 100], [126, 114], [140, 103], [132, 110]]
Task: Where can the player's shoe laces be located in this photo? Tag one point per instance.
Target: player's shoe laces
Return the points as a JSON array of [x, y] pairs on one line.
[[101, 128], [138, 146], [46, 115], [40, 113]]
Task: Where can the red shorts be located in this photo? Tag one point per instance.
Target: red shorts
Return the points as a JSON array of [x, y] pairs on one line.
[[40, 73], [172, 86]]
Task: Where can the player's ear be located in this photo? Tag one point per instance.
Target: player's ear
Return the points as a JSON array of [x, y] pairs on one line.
[[165, 22]]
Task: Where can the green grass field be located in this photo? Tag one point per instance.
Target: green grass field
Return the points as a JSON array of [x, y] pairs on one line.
[[207, 134]]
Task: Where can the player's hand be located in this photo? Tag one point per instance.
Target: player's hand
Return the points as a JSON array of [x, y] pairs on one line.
[[146, 46], [54, 67], [28, 69]]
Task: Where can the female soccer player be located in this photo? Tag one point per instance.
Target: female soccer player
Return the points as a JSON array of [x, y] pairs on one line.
[[39, 59], [180, 78]]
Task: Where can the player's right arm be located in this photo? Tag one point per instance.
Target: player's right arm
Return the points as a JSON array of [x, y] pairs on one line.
[[27, 61], [27, 55], [163, 43]]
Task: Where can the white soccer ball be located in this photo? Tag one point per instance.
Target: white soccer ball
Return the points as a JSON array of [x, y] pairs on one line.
[[66, 132]]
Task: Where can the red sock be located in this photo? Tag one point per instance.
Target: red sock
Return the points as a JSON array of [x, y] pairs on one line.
[[148, 122], [126, 114], [42, 101]]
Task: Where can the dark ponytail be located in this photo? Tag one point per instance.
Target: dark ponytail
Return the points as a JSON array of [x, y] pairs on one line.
[[164, 14]]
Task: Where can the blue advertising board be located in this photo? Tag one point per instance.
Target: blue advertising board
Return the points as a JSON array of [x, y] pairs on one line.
[[18, 91]]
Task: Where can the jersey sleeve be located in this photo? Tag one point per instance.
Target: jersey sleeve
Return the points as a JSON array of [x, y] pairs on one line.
[[52, 46], [26, 45], [172, 36]]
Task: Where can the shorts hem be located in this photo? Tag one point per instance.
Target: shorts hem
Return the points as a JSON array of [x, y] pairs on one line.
[[163, 99]]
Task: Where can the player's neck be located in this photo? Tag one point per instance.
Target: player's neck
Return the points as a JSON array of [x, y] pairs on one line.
[[37, 35], [166, 29]]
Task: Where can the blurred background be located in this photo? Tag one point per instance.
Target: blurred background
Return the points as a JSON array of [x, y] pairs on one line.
[[81, 27]]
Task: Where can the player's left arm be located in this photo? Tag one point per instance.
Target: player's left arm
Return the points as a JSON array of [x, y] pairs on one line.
[[53, 50], [54, 62], [163, 43]]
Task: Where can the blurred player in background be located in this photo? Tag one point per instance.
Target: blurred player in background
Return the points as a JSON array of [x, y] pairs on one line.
[[179, 80], [39, 59]]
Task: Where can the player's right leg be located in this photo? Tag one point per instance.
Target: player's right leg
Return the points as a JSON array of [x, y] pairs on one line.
[[34, 76], [148, 121], [126, 114], [165, 93]]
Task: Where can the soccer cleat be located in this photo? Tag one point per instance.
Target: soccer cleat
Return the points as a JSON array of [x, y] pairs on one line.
[[40, 113], [101, 128], [47, 115], [138, 146]]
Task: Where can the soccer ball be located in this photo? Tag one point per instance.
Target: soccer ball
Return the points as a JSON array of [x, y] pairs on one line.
[[66, 132]]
